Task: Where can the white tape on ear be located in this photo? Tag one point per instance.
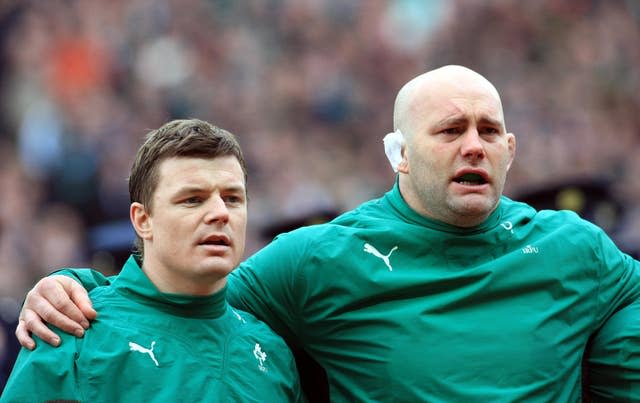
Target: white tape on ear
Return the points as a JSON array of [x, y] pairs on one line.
[[393, 143]]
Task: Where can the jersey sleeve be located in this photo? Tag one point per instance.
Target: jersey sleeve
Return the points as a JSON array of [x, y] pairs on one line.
[[613, 367], [89, 278], [613, 363], [269, 285], [45, 374], [619, 283]]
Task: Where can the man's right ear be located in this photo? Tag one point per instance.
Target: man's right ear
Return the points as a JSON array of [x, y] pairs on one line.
[[141, 220], [403, 166]]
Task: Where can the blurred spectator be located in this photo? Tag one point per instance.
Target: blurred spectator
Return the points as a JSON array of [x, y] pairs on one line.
[[9, 346]]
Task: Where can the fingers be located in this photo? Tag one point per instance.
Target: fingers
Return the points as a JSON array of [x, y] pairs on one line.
[[55, 305], [24, 337], [30, 320], [80, 298], [49, 301]]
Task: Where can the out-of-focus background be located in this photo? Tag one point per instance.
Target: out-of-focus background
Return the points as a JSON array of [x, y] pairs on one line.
[[308, 87]]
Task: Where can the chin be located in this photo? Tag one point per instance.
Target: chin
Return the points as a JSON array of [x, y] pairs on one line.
[[476, 205], [217, 265]]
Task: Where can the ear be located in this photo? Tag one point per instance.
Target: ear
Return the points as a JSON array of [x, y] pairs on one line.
[[403, 166], [141, 221], [511, 144]]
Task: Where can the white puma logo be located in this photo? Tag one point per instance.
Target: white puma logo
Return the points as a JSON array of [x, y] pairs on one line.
[[385, 258], [137, 347]]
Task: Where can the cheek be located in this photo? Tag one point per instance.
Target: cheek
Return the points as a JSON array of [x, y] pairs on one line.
[[506, 160], [239, 226], [419, 157], [430, 163], [173, 228], [240, 223]]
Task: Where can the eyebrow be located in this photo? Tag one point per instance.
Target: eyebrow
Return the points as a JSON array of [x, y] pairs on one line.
[[197, 189], [457, 120], [189, 189], [235, 188], [491, 121], [452, 121]]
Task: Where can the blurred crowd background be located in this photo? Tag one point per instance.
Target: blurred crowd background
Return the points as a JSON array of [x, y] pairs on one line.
[[308, 87]]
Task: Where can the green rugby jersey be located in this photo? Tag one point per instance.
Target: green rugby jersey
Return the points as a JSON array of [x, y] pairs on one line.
[[398, 307], [157, 347]]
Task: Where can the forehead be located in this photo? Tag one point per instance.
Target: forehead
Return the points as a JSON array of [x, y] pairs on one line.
[[178, 172], [464, 99]]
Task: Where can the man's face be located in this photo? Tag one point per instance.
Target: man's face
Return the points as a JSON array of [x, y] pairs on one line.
[[196, 230], [458, 152]]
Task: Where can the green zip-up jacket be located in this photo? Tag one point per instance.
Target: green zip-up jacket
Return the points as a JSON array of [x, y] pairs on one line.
[[400, 308], [149, 346]]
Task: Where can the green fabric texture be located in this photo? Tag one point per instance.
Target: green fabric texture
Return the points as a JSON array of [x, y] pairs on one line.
[[398, 307], [151, 346], [615, 358]]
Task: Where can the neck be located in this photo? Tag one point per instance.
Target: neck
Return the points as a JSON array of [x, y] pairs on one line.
[[170, 280], [446, 216]]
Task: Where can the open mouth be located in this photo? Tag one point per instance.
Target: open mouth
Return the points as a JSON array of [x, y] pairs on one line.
[[220, 241], [470, 179]]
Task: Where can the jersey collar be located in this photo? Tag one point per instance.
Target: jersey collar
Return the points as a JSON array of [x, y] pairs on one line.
[[134, 284], [397, 202]]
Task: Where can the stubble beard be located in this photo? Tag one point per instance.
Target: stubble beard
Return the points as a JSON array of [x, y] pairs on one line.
[[471, 210]]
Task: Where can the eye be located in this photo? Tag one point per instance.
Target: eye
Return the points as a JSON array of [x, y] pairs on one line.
[[489, 130], [233, 199], [192, 200], [452, 130]]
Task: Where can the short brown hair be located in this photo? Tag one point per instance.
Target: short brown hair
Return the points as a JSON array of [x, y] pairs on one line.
[[177, 138]]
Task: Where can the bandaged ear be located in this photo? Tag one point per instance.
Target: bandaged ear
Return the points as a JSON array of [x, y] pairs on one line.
[[393, 143]]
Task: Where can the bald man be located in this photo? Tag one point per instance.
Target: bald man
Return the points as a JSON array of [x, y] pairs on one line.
[[432, 110], [443, 289]]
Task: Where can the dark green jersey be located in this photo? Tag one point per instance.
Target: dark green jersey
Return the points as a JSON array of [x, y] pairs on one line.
[[150, 346], [398, 307]]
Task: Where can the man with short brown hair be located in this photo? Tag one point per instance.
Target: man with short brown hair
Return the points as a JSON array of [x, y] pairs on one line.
[[164, 330]]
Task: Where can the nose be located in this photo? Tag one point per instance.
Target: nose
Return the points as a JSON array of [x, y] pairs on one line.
[[472, 147], [217, 211]]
